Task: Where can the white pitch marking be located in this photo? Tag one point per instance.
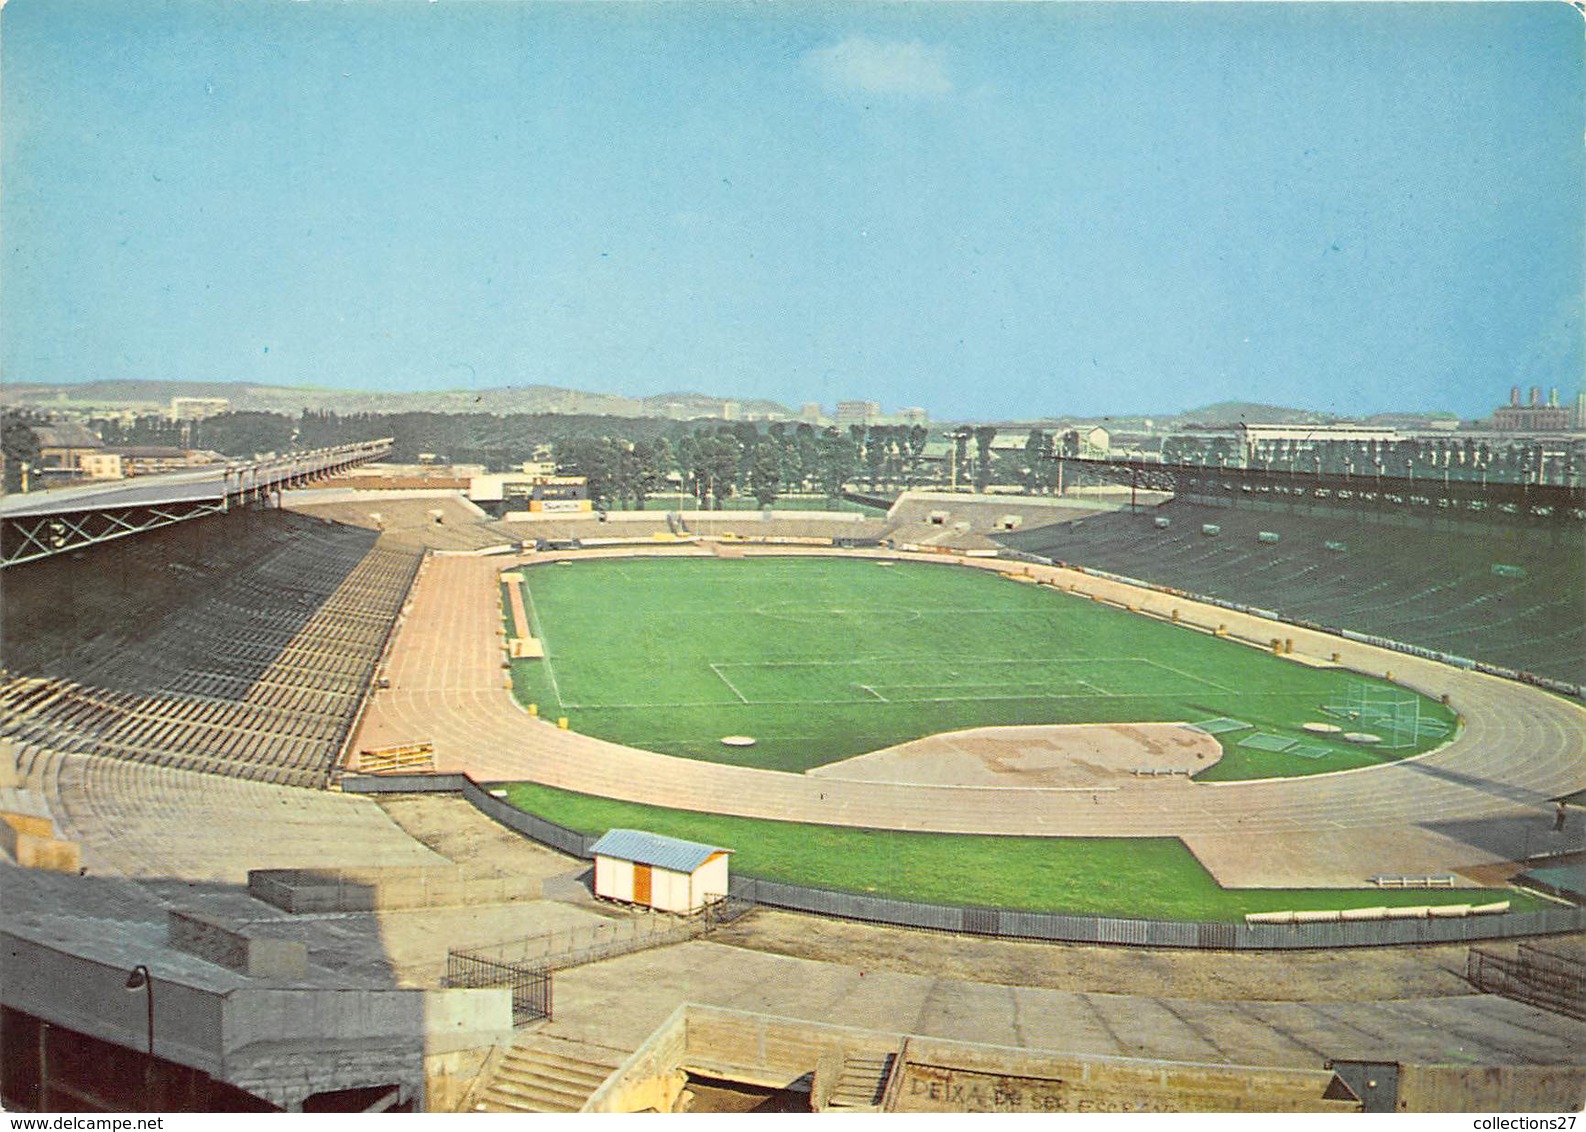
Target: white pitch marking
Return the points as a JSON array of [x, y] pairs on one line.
[[733, 687], [545, 648]]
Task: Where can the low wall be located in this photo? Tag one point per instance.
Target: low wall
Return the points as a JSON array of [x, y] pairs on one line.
[[218, 943], [1491, 1088], [942, 1075], [652, 1077], [1010, 923], [30, 850], [384, 889]]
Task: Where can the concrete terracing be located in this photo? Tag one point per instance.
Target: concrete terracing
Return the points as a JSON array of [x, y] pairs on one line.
[[1466, 805], [620, 1001]]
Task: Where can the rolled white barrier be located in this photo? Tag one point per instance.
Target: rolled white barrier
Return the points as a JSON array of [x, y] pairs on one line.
[[1417, 912]]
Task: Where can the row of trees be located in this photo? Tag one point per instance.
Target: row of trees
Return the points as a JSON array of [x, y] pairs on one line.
[[713, 464]]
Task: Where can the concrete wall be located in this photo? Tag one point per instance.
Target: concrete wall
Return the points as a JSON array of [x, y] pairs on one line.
[[33, 850], [384, 889], [90, 996], [652, 1078], [216, 942], [464, 1019], [310, 1014], [942, 1076], [938, 1075], [760, 1049], [1489, 1089]]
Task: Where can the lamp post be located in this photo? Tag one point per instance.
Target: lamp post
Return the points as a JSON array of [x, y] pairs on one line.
[[139, 979]]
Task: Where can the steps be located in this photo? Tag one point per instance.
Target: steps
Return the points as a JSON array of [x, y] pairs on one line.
[[861, 1083], [545, 1074]]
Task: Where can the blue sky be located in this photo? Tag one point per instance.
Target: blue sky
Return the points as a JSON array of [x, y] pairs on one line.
[[988, 210]]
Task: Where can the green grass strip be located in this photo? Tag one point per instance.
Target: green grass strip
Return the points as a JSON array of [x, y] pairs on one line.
[[1142, 878]]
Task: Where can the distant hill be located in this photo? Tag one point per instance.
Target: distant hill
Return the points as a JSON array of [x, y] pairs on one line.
[[1249, 412], [292, 400]]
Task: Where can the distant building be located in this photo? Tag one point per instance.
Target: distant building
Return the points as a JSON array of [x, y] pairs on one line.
[[1580, 410], [197, 408], [100, 465], [729, 410], [152, 460], [857, 413], [62, 446], [1094, 443], [531, 491], [810, 412], [1263, 442], [1533, 417], [915, 416]]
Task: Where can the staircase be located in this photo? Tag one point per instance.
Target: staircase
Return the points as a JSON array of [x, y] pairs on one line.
[[861, 1083], [545, 1074]]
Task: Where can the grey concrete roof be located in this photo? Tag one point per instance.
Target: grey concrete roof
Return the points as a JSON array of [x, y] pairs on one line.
[[178, 487]]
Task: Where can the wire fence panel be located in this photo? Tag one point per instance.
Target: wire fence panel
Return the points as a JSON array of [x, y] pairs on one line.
[[531, 989], [1538, 978]]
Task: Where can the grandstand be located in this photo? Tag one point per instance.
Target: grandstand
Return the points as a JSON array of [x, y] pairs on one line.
[[253, 663], [1437, 589]]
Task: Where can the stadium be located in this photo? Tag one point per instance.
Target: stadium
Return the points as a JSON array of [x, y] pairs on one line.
[[1235, 799]]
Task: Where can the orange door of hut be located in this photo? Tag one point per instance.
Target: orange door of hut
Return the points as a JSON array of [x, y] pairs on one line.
[[641, 884]]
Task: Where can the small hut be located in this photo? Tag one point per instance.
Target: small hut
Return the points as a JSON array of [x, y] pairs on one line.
[[659, 872]]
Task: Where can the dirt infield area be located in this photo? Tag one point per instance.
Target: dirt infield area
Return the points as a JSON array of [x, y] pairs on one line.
[[1077, 756]]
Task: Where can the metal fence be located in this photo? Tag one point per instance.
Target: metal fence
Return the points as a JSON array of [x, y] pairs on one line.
[[531, 987], [1220, 935], [1010, 923], [1539, 978], [591, 943]]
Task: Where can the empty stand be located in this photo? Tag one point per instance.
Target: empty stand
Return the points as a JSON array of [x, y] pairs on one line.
[[253, 667], [1432, 588]]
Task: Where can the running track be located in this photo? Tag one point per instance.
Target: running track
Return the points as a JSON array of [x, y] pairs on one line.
[[1519, 747]]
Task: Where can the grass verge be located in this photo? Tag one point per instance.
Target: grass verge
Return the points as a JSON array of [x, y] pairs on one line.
[[1146, 878]]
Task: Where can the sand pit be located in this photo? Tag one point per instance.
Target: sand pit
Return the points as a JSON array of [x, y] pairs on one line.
[[1056, 755]]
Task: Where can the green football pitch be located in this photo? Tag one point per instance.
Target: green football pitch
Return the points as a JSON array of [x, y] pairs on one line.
[[820, 659]]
